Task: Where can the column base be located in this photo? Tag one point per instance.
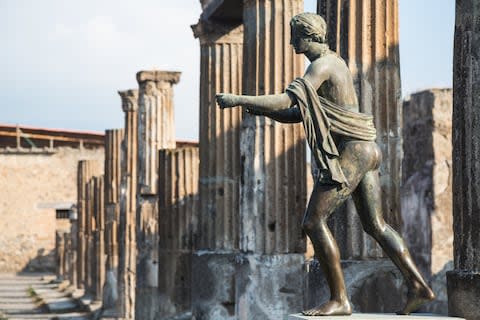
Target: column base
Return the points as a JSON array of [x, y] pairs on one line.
[[146, 303], [213, 285], [372, 286], [463, 294], [269, 286]]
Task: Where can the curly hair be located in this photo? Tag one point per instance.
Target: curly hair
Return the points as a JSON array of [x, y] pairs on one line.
[[311, 25]]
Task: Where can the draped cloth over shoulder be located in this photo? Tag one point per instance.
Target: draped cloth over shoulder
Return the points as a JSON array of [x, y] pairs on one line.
[[320, 118]]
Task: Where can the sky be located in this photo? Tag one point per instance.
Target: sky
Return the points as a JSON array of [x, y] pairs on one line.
[[63, 61]]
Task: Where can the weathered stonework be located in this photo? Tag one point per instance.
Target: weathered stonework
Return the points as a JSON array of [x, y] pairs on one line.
[[99, 237], [156, 130], [273, 183], [86, 170], [464, 280], [127, 263], [427, 176], [178, 202]]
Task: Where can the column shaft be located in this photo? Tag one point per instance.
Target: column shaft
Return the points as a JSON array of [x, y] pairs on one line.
[[220, 62], [127, 263], [86, 170], [113, 146], [273, 183], [365, 34], [464, 281]]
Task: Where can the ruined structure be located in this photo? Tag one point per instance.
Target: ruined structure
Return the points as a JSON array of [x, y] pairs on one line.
[[38, 170], [156, 130], [427, 176], [464, 280]]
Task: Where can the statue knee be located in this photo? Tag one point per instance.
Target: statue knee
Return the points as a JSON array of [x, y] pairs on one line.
[[373, 229]]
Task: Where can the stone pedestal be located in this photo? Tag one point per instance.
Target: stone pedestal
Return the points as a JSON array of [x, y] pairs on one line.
[[216, 234], [372, 286], [464, 282], [178, 202]]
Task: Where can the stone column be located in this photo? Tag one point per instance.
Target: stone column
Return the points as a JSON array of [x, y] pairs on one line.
[[217, 233], [86, 170], [178, 202], [74, 250], [67, 240], [464, 281], [99, 236], [113, 146], [156, 131], [127, 264], [365, 34], [427, 183], [273, 183], [113, 157]]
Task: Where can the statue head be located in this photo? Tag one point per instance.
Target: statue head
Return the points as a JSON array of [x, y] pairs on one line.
[[307, 27]]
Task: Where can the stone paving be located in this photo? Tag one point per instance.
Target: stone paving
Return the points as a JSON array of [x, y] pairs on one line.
[[33, 296]]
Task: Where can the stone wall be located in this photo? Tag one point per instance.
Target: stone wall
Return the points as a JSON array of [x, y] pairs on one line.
[[33, 185], [427, 178]]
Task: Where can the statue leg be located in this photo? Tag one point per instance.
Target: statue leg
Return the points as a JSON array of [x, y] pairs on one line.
[[325, 199], [368, 202]]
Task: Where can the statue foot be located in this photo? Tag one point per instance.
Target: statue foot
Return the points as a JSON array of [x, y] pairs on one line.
[[416, 297], [330, 308]]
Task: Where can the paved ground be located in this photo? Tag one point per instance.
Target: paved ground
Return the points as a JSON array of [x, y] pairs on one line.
[[32, 296]]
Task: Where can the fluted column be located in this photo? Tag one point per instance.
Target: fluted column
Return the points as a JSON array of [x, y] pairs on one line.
[[86, 170], [273, 177], [221, 48], [216, 235], [464, 281], [156, 131], [178, 202], [60, 254], [127, 263], [156, 124], [113, 146], [273, 187], [365, 34]]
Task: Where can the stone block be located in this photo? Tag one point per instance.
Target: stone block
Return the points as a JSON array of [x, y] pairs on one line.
[[464, 294], [269, 286], [372, 286], [213, 285]]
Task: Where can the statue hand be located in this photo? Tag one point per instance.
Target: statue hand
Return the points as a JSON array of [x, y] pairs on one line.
[[227, 100]]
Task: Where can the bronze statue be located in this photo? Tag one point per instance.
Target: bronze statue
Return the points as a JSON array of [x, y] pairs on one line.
[[343, 145]]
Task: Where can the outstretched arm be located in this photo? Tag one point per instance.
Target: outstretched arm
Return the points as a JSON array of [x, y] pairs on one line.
[[256, 104]]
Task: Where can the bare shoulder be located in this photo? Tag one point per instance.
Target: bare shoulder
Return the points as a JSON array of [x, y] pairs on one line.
[[322, 69]]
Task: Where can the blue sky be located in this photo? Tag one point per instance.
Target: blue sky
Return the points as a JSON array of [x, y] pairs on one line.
[[62, 62]]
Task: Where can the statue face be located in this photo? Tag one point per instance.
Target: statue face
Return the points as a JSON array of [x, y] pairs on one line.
[[299, 41]]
